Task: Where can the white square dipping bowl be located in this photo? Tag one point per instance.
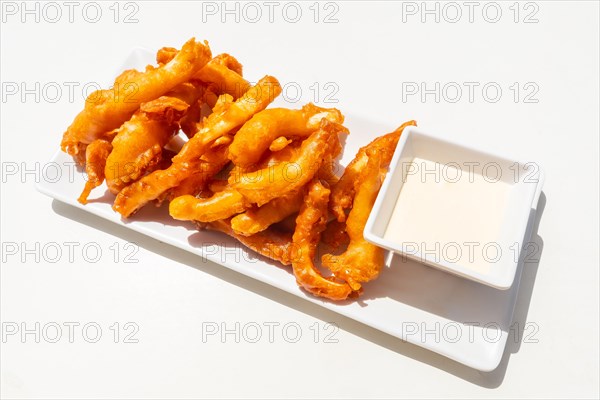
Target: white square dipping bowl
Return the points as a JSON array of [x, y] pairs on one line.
[[488, 207]]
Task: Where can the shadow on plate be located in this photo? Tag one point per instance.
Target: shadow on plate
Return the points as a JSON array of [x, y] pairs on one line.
[[491, 379]]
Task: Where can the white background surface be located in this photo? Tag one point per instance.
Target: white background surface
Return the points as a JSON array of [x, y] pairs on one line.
[[368, 54]]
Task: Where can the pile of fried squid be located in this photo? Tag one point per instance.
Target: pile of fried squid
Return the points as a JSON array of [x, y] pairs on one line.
[[265, 176]]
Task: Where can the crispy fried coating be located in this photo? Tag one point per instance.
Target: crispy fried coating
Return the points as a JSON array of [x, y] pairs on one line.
[[342, 193], [192, 93], [210, 164], [327, 171], [217, 185], [189, 92], [189, 121], [310, 223], [270, 243], [228, 117], [279, 144], [106, 110], [362, 261], [335, 235], [180, 178], [138, 145], [220, 205], [230, 62], [224, 76], [189, 160], [258, 134], [258, 219], [96, 154], [271, 159], [166, 54], [266, 184]]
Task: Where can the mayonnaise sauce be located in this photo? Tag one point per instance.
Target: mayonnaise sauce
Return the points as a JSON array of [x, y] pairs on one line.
[[451, 214]]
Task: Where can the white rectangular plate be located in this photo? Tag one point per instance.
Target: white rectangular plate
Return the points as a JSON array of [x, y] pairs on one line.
[[460, 319]]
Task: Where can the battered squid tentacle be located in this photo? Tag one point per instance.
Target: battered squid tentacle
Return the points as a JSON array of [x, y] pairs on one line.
[[221, 205], [192, 93], [96, 154], [264, 185], [260, 218], [230, 62], [342, 193], [271, 160], [189, 159], [310, 223], [210, 164], [266, 128], [223, 74], [226, 202], [138, 145], [106, 110], [362, 261]]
